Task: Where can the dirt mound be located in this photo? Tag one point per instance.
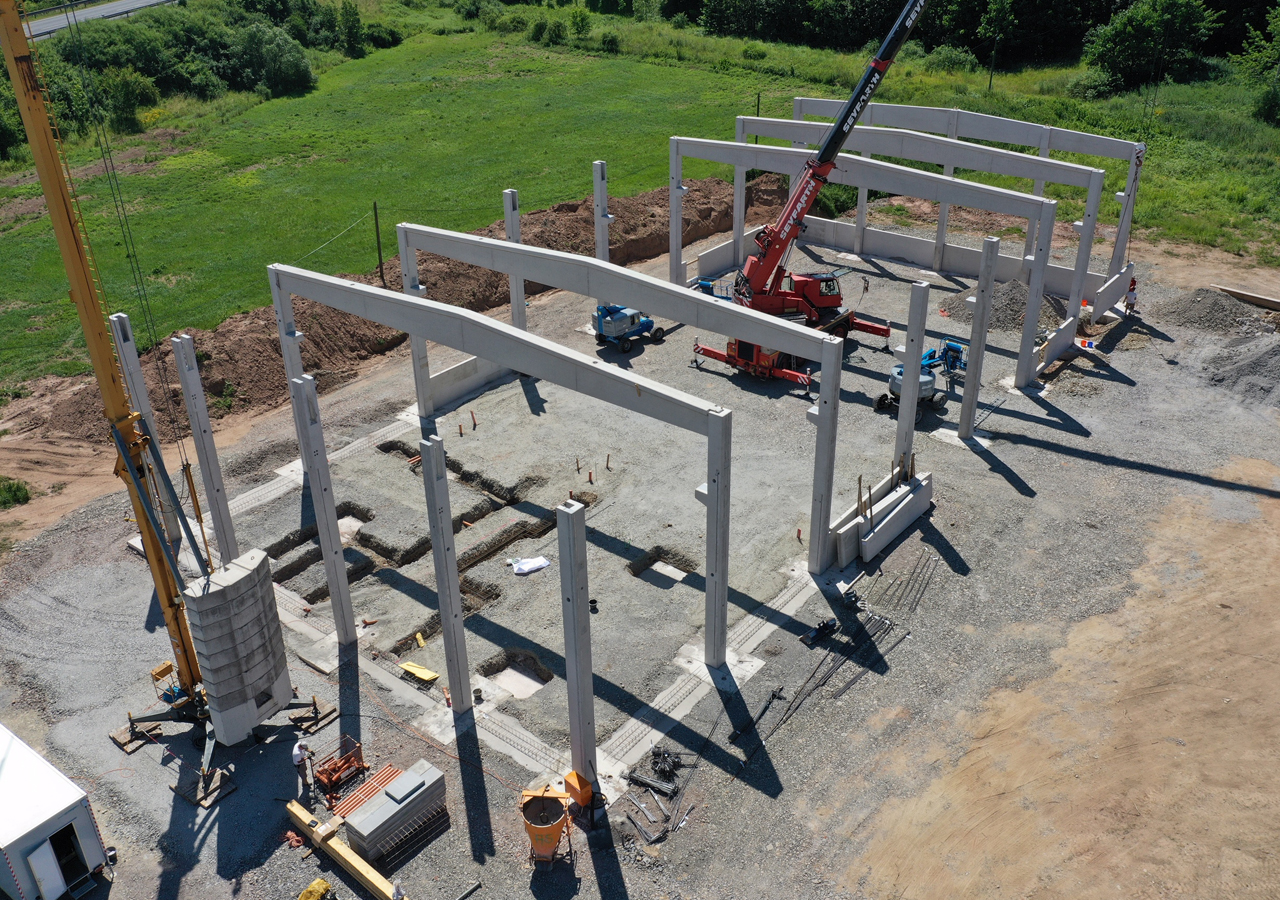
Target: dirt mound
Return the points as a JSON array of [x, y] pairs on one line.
[[240, 362], [639, 231], [1008, 308], [1250, 370], [1206, 309]]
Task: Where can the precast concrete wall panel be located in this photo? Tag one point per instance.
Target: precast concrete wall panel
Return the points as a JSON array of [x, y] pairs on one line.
[[235, 629]]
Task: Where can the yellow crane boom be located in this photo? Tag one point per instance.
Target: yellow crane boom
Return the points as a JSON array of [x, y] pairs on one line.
[[86, 293]]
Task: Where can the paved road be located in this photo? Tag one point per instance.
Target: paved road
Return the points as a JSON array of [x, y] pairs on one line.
[[43, 27]]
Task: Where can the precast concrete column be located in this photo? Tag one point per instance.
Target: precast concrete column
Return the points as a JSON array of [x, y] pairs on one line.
[[1128, 200], [1086, 228], [417, 343], [131, 368], [909, 354], [676, 271], [445, 556], [944, 208], [422, 386], [860, 223], [571, 526], [215, 494], [290, 336], [315, 459], [715, 494], [1046, 134], [825, 414], [739, 200], [600, 178], [511, 210], [978, 335], [1035, 296]]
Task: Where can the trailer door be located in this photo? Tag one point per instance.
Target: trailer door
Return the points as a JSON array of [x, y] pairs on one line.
[[44, 866]]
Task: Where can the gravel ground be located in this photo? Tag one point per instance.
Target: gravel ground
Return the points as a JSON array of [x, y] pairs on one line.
[[1029, 535]]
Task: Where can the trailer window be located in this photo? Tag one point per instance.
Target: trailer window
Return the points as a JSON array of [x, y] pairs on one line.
[[829, 287]]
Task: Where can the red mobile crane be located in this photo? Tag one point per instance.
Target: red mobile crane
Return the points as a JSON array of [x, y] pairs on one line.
[[764, 284]]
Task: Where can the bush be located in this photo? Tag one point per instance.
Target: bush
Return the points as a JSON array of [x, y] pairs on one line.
[[754, 51], [12, 134], [537, 30], [646, 10], [610, 42], [1093, 84], [579, 22], [350, 30], [679, 21], [557, 33], [13, 492], [1153, 40], [124, 92], [1267, 107], [385, 36], [512, 22], [950, 59], [267, 57]]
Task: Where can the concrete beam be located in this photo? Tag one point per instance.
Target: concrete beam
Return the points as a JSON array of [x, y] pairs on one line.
[[1128, 200], [600, 178], [946, 151], [477, 334], [315, 460], [978, 336], [571, 526], [675, 223], [1086, 228], [608, 283], [971, 125], [910, 357], [224, 532], [444, 555], [871, 173]]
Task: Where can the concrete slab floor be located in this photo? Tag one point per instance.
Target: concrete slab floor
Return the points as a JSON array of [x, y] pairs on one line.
[[1014, 568]]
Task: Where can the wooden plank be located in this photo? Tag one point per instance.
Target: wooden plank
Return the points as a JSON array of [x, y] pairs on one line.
[[1247, 297], [342, 854]]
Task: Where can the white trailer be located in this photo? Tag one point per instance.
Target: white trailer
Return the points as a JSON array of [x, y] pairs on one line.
[[48, 836]]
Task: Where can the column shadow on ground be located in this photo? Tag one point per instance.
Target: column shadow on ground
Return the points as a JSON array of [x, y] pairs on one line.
[[475, 792]]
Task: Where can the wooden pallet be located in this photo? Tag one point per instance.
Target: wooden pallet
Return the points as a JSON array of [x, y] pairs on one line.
[[131, 739], [308, 722], [194, 789]]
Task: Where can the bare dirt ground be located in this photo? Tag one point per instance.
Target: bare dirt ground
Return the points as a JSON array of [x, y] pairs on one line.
[[1145, 766]]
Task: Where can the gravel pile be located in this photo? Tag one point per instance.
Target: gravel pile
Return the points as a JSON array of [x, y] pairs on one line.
[[1251, 372], [1206, 309], [1008, 308]]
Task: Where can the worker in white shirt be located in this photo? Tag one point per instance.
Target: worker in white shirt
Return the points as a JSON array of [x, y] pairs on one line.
[[302, 753]]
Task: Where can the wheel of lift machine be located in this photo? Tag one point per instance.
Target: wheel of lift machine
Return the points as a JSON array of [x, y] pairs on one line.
[[882, 401], [919, 412], [601, 339], [657, 334], [624, 344], [939, 400]]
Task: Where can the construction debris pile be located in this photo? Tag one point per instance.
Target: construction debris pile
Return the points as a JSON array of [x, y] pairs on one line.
[[1250, 370], [1008, 308], [1213, 310]]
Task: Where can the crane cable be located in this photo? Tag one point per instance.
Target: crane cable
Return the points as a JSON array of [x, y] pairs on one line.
[[100, 133]]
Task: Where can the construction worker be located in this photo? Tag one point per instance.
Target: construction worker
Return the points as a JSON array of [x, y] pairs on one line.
[[302, 753], [1131, 297]]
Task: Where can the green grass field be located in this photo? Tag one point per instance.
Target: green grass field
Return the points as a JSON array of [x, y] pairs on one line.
[[435, 129]]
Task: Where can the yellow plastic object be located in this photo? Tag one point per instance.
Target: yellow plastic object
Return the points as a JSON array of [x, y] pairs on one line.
[[421, 672], [545, 818], [579, 789], [316, 890]]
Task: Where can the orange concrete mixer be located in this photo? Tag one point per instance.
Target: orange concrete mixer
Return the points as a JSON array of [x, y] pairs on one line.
[[546, 819]]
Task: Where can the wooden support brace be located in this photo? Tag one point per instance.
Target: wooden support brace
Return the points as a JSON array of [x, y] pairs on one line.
[[322, 836]]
